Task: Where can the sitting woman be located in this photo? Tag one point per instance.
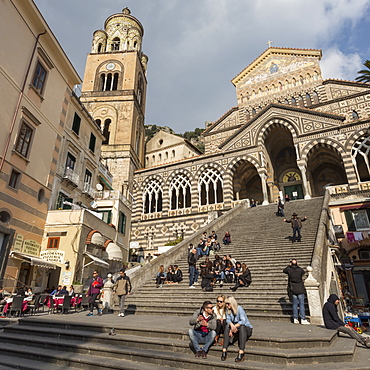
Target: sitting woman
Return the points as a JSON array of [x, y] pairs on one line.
[[244, 278], [238, 328], [71, 290], [161, 276], [229, 272], [238, 267], [207, 278], [178, 273], [227, 238], [29, 294], [171, 276], [220, 312]]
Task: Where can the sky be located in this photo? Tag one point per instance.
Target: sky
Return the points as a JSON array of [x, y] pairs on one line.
[[195, 47]]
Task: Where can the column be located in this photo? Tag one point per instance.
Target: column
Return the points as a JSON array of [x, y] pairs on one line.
[[313, 298], [303, 170], [227, 189], [263, 177]]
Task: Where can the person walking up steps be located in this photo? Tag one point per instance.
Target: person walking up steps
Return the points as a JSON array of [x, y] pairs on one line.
[[296, 223]]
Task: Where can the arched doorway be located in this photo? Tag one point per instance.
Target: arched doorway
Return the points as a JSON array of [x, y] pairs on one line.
[[282, 162], [246, 182], [325, 168]]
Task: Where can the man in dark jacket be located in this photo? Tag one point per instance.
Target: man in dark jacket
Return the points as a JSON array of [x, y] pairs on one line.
[[192, 261], [296, 223], [297, 290], [332, 321], [94, 290], [204, 324]]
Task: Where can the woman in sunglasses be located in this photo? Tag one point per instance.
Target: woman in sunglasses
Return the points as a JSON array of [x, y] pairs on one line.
[[220, 312], [238, 328]]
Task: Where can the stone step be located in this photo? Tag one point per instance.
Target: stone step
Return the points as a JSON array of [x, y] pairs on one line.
[[17, 362]]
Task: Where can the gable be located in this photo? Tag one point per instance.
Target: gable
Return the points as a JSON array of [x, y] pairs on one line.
[[162, 140]]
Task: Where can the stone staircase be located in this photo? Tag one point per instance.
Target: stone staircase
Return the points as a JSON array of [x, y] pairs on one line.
[[261, 240], [156, 342]]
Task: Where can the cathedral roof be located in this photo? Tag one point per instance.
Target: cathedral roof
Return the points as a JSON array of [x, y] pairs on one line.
[[317, 53], [214, 124]]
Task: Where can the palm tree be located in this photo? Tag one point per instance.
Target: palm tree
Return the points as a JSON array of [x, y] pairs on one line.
[[364, 73]]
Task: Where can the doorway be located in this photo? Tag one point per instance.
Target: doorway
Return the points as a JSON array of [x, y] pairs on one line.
[[294, 191]]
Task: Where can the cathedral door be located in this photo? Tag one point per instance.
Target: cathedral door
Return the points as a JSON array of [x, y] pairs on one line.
[[294, 191]]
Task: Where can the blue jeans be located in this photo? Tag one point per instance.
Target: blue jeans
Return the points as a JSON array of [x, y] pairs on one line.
[[192, 274], [295, 231], [298, 299], [199, 337]]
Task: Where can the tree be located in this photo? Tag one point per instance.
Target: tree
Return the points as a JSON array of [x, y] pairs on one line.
[[364, 73]]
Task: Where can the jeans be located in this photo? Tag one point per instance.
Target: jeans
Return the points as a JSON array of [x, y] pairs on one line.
[[295, 231], [192, 272], [92, 302], [298, 299], [199, 337], [122, 303], [352, 333], [242, 335]]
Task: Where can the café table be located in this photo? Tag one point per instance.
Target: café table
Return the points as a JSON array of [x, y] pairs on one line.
[[9, 304]]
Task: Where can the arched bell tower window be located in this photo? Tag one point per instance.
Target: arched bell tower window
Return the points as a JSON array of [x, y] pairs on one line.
[[180, 195], [106, 131], [210, 187], [355, 115], [361, 158], [115, 43], [109, 81], [100, 46], [308, 100], [140, 88], [152, 197]]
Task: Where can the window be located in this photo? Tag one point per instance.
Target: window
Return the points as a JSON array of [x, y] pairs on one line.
[[24, 140], [357, 219], [355, 115], [106, 215], [64, 202], [76, 123], [71, 161], [106, 131], [180, 195], [38, 80], [115, 43], [152, 197], [53, 243], [210, 187], [122, 223], [109, 82], [14, 179], [92, 142], [100, 46], [88, 176]]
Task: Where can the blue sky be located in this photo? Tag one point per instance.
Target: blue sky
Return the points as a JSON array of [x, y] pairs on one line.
[[195, 47]]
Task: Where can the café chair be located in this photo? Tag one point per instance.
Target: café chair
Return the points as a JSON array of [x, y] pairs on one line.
[[16, 306], [85, 302], [44, 299], [66, 305], [34, 304]]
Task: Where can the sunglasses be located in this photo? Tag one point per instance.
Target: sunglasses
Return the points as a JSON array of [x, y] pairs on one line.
[[210, 308], [220, 301], [227, 303]]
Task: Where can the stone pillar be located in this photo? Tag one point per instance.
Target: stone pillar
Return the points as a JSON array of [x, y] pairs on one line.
[[303, 170], [263, 176], [350, 172], [313, 298], [227, 189]]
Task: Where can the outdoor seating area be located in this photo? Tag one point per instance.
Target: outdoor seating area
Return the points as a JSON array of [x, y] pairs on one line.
[[18, 305]]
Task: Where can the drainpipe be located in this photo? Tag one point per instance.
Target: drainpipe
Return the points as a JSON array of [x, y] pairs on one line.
[[19, 102]]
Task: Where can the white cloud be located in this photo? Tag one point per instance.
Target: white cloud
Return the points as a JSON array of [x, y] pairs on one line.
[[335, 64]]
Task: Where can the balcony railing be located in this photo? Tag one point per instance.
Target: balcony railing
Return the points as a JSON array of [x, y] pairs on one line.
[[71, 176], [87, 189], [114, 195]]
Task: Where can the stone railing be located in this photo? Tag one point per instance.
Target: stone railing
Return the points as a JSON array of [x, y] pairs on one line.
[[338, 189], [149, 270]]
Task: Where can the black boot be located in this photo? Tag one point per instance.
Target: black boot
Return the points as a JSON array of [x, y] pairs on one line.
[[234, 288], [240, 357]]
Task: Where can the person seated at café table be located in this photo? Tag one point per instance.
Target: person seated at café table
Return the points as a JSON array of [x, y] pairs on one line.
[[29, 294], [64, 291], [71, 290], [21, 292], [56, 291]]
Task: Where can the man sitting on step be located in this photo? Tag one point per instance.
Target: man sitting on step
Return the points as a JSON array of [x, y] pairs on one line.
[[332, 321], [204, 324]]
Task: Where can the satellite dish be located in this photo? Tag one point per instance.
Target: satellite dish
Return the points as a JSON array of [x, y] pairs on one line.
[[93, 204], [99, 187]]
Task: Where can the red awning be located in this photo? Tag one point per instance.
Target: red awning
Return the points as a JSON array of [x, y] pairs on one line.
[[355, 206]]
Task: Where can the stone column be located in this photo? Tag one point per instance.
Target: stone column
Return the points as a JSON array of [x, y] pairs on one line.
[[303, 170], [313, 297], [263, 177], [227, 189]]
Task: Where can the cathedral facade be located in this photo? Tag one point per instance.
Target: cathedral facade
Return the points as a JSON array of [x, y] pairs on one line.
[[291, 132]]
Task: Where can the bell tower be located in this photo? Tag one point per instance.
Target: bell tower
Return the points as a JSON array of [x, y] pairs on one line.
[[114, 93]]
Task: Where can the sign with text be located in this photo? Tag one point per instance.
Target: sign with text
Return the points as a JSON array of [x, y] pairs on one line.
[[66, 278], [18, 241], [53, 256], [31, 247]]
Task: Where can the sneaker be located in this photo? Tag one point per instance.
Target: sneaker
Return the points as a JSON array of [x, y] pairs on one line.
[[196, 283], [305, 322], [295, 321], [90, 314], [121, 315], [198, 354], [100, 313], [204, 354], [192, 287]]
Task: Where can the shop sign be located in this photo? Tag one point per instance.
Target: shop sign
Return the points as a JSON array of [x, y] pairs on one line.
[[53, 256], [31, 247], [18, 241], [66, 278]]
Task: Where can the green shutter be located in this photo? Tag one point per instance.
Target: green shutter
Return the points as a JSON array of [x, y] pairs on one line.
[[350, 222]]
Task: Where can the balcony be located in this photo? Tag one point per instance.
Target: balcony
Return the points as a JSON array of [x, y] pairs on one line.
[[71, 177], [87, 189], [113, 195]]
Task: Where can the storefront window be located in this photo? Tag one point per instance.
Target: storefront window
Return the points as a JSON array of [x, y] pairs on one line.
[[361, 219]]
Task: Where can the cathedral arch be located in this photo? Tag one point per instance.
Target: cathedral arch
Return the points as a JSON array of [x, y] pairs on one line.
[[152, 196], [115, 45], [360, 154], [270, 125], [109, 80]]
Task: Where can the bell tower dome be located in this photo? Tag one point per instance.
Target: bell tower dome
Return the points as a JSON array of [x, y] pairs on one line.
[[114, 92]]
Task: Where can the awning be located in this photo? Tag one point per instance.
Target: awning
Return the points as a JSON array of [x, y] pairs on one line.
[[355, 206], [114, 252], [34, 261], [97, 261], [106, 182]]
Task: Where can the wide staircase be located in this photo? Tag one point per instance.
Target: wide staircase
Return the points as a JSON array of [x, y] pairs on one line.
[[261, 240]]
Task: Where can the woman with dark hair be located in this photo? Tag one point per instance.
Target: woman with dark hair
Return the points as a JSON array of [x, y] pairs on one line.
[[178, 274], [171, 275], [229, 272], [220, 312], [161, 276], [243, 278], [227, 238], [207, 277], [238, 328]]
